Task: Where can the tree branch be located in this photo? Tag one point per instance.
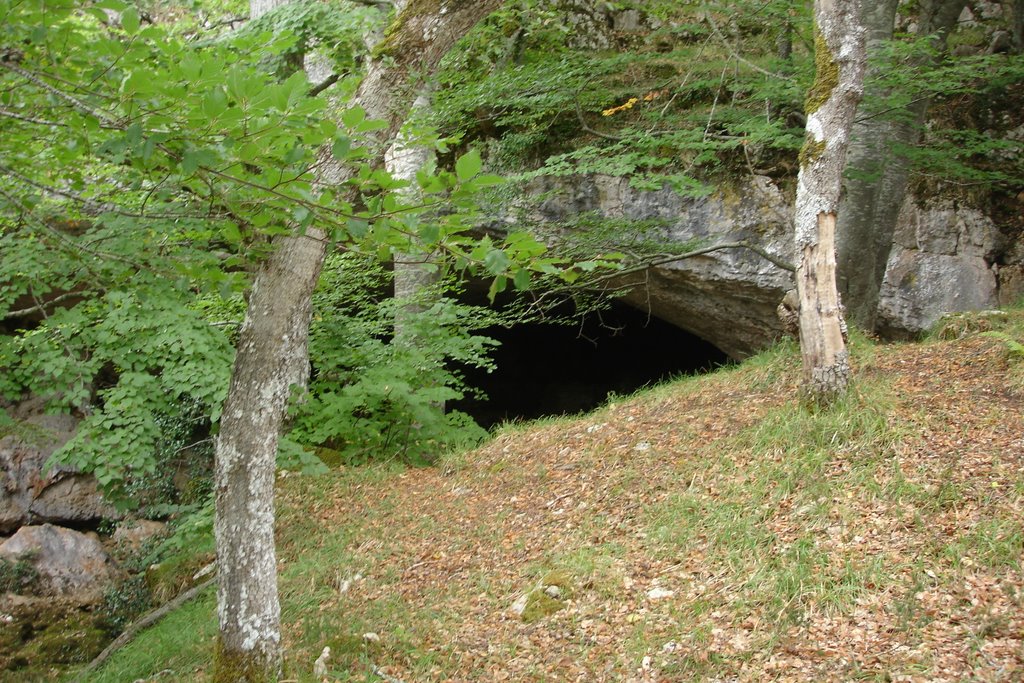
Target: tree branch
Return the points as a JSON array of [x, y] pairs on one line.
[[588, 129], [774, 260], [736, 55], [40, 307], [324, 85]]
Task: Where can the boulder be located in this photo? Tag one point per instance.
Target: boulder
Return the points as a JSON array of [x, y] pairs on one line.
[[70, 564], [29, 493]]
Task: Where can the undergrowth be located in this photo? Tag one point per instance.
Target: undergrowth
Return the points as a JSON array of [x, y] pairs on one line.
[[793, 522]]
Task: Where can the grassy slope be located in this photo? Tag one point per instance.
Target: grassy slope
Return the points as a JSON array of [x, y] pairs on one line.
[[880, 540]]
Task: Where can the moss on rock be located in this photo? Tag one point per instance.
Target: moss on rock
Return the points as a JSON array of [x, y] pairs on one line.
[[542, 601], [44, 637]]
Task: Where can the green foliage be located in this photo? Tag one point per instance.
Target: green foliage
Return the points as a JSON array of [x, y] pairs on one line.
[[17, 576], [375, 397], [1013, 347], [124, 603], [973, 102], [142, 178], [174, 357], [193, 533], [331, 29], [677, 108]]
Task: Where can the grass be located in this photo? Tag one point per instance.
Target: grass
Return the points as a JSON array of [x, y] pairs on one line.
[[182, 642], [749, 538]]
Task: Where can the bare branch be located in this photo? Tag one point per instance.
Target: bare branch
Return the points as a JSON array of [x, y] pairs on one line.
[[145, 622], [40, 307], [736, 55], [324, 85], [583, 124]]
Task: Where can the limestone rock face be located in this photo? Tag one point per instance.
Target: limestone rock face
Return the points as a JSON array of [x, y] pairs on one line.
[[727, 297], [946, 257], [70, 564], [944, 260], [28, 493]]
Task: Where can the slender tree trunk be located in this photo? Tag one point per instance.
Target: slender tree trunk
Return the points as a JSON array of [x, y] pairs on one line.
[[831, 105], [271, 359], [273, 356], [1017, 27], [413, 274], [877, 173]]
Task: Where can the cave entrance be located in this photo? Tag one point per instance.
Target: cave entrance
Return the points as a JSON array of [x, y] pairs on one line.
[[546, 369]]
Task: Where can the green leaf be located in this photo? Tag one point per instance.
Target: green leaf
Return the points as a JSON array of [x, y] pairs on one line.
[[496, 262], [215, 102], [369, 125], [497, 287], [341, 147], [488, 180], [468, 165], [190, 162], [352, 117], [522, 279], [130, 20], [430, 233], [357, 228], [232, 234]]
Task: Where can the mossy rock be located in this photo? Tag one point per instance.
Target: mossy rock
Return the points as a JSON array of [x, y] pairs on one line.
[[959, 325], [974, 36], [331, 457], [18, 576], [540, 602], [76, 639], [44, 637]]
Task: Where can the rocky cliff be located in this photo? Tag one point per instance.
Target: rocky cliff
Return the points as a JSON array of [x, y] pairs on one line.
[[947, 257]]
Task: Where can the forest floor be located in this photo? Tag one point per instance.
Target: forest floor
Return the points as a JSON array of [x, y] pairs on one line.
[[711, 529]]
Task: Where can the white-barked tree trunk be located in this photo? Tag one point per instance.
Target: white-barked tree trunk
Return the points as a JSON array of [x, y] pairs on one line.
[[831, 105], [273, 357]]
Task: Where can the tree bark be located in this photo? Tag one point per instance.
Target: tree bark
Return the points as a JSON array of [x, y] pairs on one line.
[[270, 359], [273, 356], [413, 274], [877, 174], [831, 105]]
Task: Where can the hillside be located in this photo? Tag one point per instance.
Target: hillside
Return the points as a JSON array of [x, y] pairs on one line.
[[709, 529]]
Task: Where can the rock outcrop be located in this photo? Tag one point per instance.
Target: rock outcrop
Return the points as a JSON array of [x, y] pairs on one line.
[[31, 494], [946, 257]]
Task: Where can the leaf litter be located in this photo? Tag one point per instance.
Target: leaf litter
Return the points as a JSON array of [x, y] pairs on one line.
[[711, 529]]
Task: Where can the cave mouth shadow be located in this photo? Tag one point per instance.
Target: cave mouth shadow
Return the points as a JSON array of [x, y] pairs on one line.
[[548, 369]]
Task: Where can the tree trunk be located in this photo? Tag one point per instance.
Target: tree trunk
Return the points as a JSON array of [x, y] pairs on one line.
[[1017, 27], [877, 175], [413, 274], [831, 105], [273, 355], [271, 358]]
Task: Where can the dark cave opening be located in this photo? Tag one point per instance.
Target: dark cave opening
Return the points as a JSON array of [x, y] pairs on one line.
[[546, 369]]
